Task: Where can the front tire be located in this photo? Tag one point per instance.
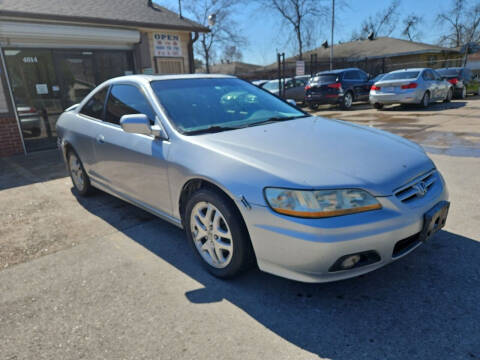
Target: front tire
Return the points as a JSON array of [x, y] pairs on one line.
[[425, 100], [463, 94], [79, 176], [218, 235], [378, 106]]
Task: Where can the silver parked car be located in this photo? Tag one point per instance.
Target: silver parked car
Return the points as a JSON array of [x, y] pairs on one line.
[[253, 179], [294, 87], [410, 86]]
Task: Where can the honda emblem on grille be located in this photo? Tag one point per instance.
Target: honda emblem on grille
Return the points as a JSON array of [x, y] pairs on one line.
[[421, 188]]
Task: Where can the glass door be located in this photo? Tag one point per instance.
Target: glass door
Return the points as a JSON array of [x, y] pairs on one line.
[[36, 94], [76, 75]]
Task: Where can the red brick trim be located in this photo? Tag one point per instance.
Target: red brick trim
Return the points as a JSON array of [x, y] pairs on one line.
[[10, 140]]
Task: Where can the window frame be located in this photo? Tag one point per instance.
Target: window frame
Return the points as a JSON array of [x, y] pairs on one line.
[[142, 92]]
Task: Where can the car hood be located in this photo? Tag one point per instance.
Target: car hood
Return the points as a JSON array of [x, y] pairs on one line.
[[315, 152]]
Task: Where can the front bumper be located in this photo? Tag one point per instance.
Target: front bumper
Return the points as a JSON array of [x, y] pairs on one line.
[[404, 97], [305, 249]]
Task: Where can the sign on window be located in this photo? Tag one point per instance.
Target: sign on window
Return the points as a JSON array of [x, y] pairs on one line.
[[167, 45]]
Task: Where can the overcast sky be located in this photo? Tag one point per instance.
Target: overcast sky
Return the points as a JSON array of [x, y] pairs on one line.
[[264, 37]]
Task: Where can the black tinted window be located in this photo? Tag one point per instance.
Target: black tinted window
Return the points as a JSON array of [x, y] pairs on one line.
[[324, 78], [125, 100], [401, 75], [363, 76], [351, 75], [94, 106]]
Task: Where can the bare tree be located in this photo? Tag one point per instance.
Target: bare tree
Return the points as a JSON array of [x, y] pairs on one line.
[[224, 32], [232, 53], [383, 23], [461, 23], [410, 26], [300, 16]]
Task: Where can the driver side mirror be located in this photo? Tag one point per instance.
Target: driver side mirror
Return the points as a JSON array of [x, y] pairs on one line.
[[140, 124]]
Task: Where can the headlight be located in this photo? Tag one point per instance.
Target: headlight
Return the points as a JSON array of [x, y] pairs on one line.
[[320, 203]]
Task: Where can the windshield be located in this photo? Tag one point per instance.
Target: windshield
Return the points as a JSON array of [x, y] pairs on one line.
[[219, 104], [401, 75], [449, 72], [271, 85]]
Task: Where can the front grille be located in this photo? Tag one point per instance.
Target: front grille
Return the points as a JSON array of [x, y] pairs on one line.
[[403, 246], [417, 188]]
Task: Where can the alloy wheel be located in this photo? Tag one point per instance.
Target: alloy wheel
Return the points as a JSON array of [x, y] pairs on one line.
[[76, 172], [348, 100], [426, 100], [211, 234]]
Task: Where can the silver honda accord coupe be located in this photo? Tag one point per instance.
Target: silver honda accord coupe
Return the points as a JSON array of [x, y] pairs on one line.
[[252, 179], [420, 86]]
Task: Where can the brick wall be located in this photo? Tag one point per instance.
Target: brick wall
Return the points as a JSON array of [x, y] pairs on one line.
[[10, 141]]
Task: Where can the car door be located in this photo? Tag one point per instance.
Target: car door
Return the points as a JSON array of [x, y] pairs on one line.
[[87, 127], [441, 85], [430, 84], [348, 82], [132, 165], [363, 85]]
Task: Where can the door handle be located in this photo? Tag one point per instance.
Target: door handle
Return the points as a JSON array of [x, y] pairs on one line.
[[100, 139]]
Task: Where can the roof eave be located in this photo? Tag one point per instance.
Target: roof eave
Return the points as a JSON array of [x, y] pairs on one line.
[[104, 21]]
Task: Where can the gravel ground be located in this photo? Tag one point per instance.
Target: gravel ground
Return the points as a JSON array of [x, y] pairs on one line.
[[98, 278]]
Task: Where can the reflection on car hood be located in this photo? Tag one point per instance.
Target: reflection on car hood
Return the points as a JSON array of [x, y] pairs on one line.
[[315, 152]]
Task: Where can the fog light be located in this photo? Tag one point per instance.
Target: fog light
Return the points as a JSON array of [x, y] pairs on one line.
[[350, 261]]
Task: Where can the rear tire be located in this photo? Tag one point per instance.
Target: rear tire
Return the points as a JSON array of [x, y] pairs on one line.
[[347, 101], [425, 100], [313, 106], [79, 176], [215, 230], [449, 96], [378, 106]]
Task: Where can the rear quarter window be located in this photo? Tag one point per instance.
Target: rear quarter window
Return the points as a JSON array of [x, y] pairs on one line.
[[94, 106]]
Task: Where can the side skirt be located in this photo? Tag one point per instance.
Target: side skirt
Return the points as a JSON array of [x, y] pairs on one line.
[[177, 222]]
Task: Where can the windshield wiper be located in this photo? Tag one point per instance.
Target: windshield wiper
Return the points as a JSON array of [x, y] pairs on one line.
[[210, 130], [276, 119]]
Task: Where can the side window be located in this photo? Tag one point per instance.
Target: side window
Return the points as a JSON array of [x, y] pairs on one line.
[[126, 100], [94, 106], [427, 75], [347, 75], [362, 76], [436, 75]]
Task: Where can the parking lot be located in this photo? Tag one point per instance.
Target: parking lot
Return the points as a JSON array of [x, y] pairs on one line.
[[98, 278]]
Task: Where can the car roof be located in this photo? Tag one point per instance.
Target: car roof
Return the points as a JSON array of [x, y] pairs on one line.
[[141, 78], [452, 68], [336, 71], [410, 69]]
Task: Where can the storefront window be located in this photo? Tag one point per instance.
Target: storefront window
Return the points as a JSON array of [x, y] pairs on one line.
[[45, 82]]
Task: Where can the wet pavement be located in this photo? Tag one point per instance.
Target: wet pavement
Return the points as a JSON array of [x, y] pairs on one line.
[[451, 129]]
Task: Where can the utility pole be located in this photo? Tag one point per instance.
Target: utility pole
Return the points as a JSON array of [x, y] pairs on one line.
[[180, 9], [331, 39]]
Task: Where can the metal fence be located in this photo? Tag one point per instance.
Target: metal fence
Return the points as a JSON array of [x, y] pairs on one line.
[[372, 66]]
